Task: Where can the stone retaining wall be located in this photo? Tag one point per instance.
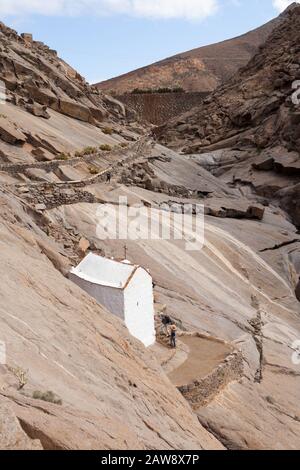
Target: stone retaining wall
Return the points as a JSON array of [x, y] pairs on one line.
[[54, 194], [15, 168], [201, 391], [57, 197]]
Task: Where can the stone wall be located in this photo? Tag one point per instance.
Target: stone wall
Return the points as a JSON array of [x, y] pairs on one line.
[[129, 153], [158, 108], [201, 391]]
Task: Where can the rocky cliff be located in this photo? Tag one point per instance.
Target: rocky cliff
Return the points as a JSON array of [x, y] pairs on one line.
[[256, 115], [37, 79]]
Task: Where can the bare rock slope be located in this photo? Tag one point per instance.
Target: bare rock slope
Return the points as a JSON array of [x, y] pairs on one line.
[[111, 392]]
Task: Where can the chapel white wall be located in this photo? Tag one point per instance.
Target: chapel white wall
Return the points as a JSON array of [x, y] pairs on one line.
[[139, 307], [109, 297]]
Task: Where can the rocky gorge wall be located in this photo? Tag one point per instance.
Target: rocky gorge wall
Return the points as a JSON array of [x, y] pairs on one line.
[[158, 108]]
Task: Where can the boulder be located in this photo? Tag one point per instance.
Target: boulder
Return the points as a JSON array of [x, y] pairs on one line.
[[38, 110], [69, 173], [27, 37], [116, 105], [39, 174], [148, 184], [83, 246], [12, 436], [264, 164], [40, 207], [42, 155], [98, 113], [9, 134], [43, 96], [256, 212], [75, 110]]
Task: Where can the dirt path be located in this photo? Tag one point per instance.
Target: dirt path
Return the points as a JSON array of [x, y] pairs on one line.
[[204, 355]]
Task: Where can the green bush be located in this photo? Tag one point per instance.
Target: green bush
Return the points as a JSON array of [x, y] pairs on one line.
[[105, 148], [47, 396]]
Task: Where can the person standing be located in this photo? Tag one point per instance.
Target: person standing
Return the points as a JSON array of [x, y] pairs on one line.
[[166, 321], [173, 336]]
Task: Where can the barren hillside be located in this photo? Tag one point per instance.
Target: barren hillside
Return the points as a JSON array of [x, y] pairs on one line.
[[201, 69]]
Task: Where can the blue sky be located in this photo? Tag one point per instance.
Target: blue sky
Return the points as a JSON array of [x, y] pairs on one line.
[[105, 38]]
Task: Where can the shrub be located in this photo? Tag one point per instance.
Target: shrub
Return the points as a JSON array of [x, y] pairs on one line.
[[47, 396], [107, 131], [89, 151], [63, 156], [86, 151], [123, 145], [93, 170], [105, 148], [21, 375]]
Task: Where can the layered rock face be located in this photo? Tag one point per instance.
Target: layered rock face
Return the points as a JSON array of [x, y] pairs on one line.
[[48, 111], [257, 116], [36, 79]]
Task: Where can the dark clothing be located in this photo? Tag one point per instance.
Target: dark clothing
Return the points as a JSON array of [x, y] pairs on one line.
[[108, 177], [166, 320], [173, 339]]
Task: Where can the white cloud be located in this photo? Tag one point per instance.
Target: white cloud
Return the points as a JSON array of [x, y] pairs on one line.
[[281, 5], [187, 9]]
